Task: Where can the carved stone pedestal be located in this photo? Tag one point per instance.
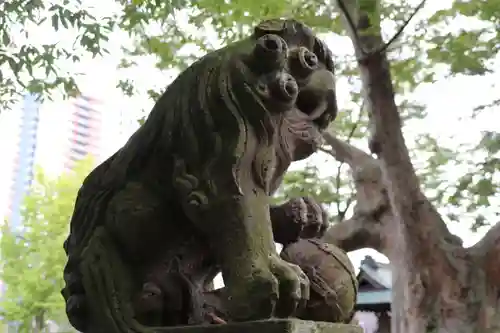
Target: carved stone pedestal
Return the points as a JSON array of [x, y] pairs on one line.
[[269, 326]]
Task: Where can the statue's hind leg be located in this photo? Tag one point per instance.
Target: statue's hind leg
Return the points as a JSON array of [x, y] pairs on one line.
[[155, 243], [108, 287]]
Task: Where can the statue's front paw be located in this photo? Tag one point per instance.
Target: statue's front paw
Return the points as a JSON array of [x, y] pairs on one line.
[[293, 287], [298, 218], [274, 288], [316, 218]]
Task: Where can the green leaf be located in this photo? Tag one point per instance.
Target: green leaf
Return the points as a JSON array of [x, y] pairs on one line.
[[5, 38], [62, 18], [29, 60], [55, 21], [33, 257]]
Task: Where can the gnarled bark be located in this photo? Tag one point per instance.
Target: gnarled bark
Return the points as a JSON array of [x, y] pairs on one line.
[[464, 300], [439, 286]]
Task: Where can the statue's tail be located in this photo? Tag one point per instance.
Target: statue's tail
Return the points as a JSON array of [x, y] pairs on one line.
[[101, 293], [74, 295], [77, 307], [74, 292], [88, 215]]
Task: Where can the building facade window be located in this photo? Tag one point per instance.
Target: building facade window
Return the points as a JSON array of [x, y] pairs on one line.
[[78, 151], [81, 143], [79, 133]]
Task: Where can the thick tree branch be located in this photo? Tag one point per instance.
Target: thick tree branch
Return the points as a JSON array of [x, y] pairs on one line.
[[356, 233], [366, 227], [489, 242], [345, 152], [487, 251], [341, 164], [366, 173], [422, 228], [373, 223]]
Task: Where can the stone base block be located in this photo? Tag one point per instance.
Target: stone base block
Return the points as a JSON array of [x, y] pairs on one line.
[[268, 326]]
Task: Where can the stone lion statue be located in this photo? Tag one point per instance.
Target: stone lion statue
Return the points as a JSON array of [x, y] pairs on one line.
[[188, 195]]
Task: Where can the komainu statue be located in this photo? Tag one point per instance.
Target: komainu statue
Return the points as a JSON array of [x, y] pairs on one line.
[[188, 197]]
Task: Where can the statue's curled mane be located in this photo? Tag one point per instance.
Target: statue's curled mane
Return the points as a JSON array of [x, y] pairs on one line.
[[201, 104]]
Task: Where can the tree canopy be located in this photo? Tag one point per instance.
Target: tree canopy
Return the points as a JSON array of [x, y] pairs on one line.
[[31, 62], [32, 255], [456, 39]]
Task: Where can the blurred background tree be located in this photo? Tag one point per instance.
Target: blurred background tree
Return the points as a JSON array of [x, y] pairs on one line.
[[32, 255], [39, 63], [460, 39]]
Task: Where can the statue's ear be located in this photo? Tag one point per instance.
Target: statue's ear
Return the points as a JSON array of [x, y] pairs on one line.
[[275, 26], [324, 54], [293, 31]]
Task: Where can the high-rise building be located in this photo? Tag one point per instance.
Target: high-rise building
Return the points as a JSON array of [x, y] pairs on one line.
[[23, 162], [52, 137], [85, 130], [25, 157]]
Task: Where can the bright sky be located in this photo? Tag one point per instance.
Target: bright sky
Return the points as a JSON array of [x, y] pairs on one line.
[[448, 101]]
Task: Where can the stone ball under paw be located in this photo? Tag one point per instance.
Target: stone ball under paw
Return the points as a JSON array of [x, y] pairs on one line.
[[333, 280]]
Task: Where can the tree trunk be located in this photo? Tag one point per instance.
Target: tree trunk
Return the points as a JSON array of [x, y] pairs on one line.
[[39, 323], [438, 285], [426, 297]]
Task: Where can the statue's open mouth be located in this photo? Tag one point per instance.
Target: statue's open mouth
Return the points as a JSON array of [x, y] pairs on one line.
[[315, 106], [311, 103]]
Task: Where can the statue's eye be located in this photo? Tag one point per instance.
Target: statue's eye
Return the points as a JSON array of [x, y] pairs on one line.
[[308, 101], [270, 53], [309, 59], [303, 62], [323, 53], [284, 88], [270, 27]]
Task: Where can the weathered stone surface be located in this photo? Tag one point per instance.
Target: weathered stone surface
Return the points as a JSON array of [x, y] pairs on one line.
[[269, 326], [332, 276], [188, 196]]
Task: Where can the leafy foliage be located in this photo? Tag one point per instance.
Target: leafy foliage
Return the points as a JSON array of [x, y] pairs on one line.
[[178, 31], [35, 67], [461, 39], [34, 251], [476, 191], [335, 191], [468, 50]]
